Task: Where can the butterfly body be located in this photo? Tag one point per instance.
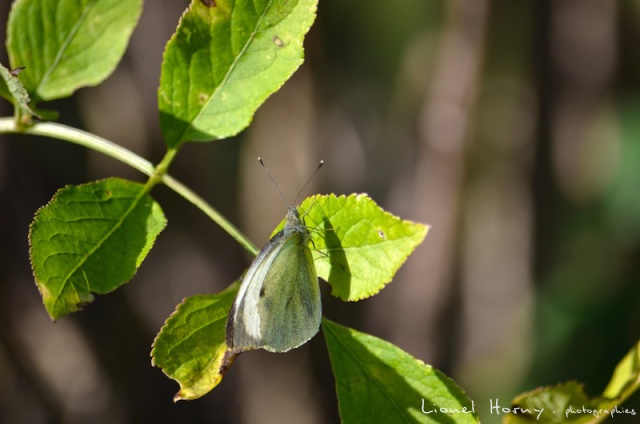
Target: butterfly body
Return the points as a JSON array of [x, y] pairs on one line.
[[278, 305]]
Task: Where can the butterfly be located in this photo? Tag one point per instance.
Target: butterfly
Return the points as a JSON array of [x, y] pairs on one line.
[[278, 305]]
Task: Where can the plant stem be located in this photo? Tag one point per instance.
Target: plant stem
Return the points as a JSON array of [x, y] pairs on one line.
[[161, 169], [99, 144]]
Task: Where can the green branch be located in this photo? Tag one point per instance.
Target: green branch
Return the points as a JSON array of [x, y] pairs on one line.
[[99, 144]]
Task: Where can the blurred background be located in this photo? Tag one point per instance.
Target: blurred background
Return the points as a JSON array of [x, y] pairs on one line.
[[512, 128]]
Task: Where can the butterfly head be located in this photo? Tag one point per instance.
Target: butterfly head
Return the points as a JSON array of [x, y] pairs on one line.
[[293, 218]]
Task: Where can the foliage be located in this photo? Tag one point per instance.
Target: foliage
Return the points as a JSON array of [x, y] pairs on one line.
[[91, 238], [225, 58]]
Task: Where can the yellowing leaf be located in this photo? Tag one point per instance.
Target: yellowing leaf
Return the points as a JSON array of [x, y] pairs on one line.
[[191, 348]]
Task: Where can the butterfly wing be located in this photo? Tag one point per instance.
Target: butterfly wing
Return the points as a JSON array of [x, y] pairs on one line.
[[243, 324], [290, 305], [278, 305]]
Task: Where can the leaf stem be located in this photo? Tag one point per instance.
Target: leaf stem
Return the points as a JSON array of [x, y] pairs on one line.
[[99, 144], [161, 169]]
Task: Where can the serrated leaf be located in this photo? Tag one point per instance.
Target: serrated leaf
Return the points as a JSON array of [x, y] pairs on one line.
[[357, 246], [568, 403], [12, 89], [226, 58], [562, 403], [5, 78], [68, 44], [378, 382], [91, 239], [191, 348]]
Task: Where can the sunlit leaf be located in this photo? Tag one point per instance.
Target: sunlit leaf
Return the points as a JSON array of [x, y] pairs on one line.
[[357, 246], [563, 403], [68, 44], [225, 59], [626, 377], [91, 239], [12, 89], [191, 348], [378, 382], [568, 403]]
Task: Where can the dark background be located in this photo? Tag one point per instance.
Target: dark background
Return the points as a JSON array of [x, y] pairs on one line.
[[512, 128]]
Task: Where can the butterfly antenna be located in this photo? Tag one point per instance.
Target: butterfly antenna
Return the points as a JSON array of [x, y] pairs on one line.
[[308, 181], [286, 205]]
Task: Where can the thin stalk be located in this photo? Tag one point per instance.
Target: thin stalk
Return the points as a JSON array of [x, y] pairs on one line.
[[161, 169], [99, 144]]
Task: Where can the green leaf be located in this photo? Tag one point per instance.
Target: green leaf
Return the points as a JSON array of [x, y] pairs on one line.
[[5, 78], [68, 44], [12, 89], [191, 348], [357, 246], [626, 377], [91, 238], [568, 403], [378, 382], [563, 403], [225, 59]]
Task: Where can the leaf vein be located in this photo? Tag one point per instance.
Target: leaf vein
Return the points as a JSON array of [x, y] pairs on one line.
[[99, 244], [65, 44], [229, 72], [371, 378]]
